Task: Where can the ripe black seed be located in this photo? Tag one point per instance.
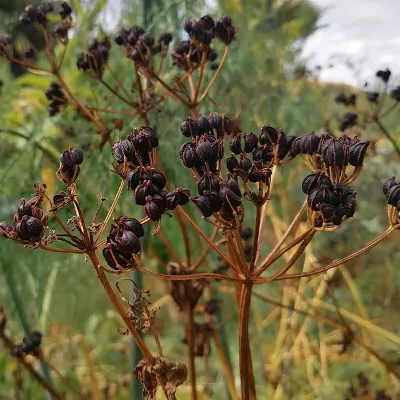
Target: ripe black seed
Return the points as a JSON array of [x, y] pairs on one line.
[[214, 200], [229, 197], [189, 127], [204, 151], [250, 142], [203, 125], [35, 227], [394, 195], [24, 209], [235, 145], [123, 149], [208, 182], [5, 228], [269, 135], [128, 242], [109, 253], [319, 195], [131, 224], [244, 163], [158, 179], [183, 196], [203, 203], [357, 154], [232, 183], [188, 155], [153, 211], [232, 163], [254, 174], [313, 181], [388, 184]]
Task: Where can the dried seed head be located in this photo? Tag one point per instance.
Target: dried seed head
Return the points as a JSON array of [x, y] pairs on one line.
[[72, 157], [123, 149], [131, 224], [319, 195], [232, 163]]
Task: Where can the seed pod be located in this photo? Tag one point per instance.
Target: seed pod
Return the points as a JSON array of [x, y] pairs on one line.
[[171, 201], [232, 163], [158, 179], [183, 196], [5, 228], [153, 208], [189, 127], [394, 195], [214, 199], [388, 184], [72, 157], [313, 181], [244, 163], [334, 154], [264, 154], [250, 142], [123, 149], [235, 145], [121, 258], [269, 135], [189, 156], [217, 148], [319, 195], [35, 227], [254, 174], [204, 151], [285, 148], [216, 123], [229, 197], [208, 182], [328, 212], [351, 208], [24, 209], [232, 183], [128, 242], [357, 154], [204, 205], [131, 224], [203, 125], [143, 190]]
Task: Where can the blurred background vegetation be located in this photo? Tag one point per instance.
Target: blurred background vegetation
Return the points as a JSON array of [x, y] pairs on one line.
[[264, 81]]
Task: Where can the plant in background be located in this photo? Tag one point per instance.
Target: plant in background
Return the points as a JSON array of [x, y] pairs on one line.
[[231, 188]]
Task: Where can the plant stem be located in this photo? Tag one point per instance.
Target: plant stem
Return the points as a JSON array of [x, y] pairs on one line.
[[191, 354], [217, 72], [104, 281], [246, 371], [388, 135]]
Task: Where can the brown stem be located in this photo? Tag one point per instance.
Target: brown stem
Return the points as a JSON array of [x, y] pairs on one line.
[[191, 353], [217, 72], [205, 237], [246, 372], [335, 263], [186, 239], [116, 94], [107, 287], [201, 74], [257, 232]]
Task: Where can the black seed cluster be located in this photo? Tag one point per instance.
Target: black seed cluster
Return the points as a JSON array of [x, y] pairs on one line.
[[188, 54], [123, 241], [334, 201], [57, 98], [136, 148], [140, 46], [69, 168], [29, 223], [96, 58], [146, 183], [29, 345], [337, 152], [38, 14], [346, 100]]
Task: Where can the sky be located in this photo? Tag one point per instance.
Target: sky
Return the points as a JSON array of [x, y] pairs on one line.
[[365, 31]]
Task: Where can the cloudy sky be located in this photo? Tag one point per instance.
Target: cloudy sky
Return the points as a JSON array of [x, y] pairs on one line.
[[365, 31]]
